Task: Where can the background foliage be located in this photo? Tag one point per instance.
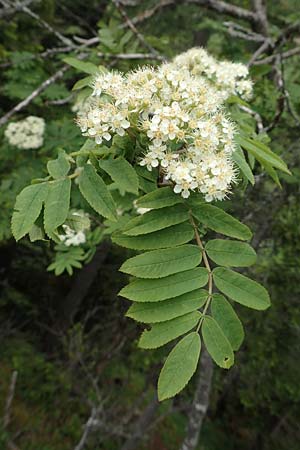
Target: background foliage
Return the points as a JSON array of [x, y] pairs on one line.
[[71, 346]]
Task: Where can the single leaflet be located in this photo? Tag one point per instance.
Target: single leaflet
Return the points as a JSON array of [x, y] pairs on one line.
[[160, 148]]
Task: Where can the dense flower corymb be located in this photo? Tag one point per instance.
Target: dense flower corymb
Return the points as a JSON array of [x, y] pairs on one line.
[[179, 108], [27, 133]]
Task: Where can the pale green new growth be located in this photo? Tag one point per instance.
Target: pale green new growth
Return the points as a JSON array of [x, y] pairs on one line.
[[122, 173], [27, 209], [59, 167], [94, 190], [57, 204]]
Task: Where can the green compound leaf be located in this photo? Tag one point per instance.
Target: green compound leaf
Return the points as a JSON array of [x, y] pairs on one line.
[[168, 309], [160, 198], [122, 173], [156, 220], [230, 253], [27, 209], [161, 263], [217, 343], [240, 160], [218, 220], [164, 288], [241, 289], [57, 204], [262, 153], [179, 367], [164, 332], [228, 321], [168, 237], [95, 191], [59, 167]]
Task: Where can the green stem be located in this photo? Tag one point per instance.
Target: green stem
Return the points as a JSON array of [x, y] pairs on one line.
[[207, 265]]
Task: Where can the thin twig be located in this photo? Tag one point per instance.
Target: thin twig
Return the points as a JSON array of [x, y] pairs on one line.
[[132, 56], [265, 46], [56, 76], [91, 424], [237, 30], [257, 117], [284, 55], [45, 25], [9, 399], [133, 28]]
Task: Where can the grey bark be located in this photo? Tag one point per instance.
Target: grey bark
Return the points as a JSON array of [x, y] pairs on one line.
[[141, 426], [200, 403]]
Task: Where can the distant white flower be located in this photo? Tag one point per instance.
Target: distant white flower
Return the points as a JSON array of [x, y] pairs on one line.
[[75, 228], [27, 133]]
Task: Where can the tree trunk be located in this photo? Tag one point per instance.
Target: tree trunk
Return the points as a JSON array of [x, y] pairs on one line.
[[142, 425], [200, 402], [83, 281]]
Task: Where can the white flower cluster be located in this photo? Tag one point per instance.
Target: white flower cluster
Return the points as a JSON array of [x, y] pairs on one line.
[[230, 78], [180, 111], [27, 133], [75, 229]]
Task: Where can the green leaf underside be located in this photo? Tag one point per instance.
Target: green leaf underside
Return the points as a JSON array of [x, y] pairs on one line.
[[218, 220], [36, 233], [27, 209], [168, 237], [240, 160], [262, 153], [161, 263], [94, 190], [57, 204], [160, 198], [156, 220], [230, 253], [122, 173], [59, 167], [217, 343], [179, 367], [228, 321], [167, 287], [168, 309], [241, 289], [164, 332]]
